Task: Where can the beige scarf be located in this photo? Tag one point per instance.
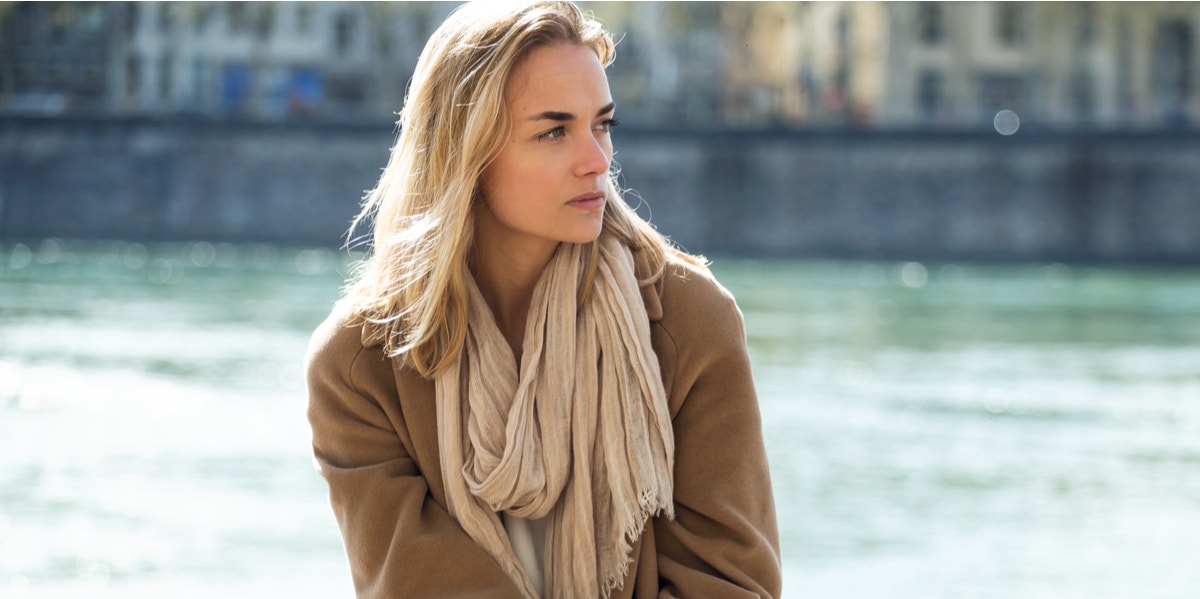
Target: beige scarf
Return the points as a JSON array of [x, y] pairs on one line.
[[580, 433]]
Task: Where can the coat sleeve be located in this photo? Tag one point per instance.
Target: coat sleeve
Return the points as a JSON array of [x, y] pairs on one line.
[[724, 540], [399, 540]]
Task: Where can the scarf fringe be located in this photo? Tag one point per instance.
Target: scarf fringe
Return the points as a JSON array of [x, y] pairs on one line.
[[650, 508]]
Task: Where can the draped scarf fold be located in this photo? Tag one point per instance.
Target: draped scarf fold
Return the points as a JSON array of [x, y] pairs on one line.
[[580, 432]]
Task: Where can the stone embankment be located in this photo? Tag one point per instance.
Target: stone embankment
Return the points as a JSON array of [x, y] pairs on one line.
[[876, 194]]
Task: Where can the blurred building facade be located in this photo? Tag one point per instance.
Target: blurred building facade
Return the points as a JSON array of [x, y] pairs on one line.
[[769, 64], [1055, 63], [257, 60]]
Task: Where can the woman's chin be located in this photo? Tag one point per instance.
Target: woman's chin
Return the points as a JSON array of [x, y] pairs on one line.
[[589, 237]]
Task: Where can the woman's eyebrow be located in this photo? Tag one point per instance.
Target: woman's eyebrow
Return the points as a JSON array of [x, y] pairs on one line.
[[554, 115]]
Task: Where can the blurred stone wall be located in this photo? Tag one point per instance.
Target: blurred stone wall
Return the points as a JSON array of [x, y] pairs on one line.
[[890, 195], [1107, 197]]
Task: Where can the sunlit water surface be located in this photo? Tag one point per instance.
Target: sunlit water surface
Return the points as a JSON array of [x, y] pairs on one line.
[[934, 430]]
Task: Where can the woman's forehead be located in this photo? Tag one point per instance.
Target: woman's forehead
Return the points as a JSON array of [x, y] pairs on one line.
[[556, 77]]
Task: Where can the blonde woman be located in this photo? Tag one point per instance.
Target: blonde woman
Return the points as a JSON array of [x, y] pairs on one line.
[[526, 392]]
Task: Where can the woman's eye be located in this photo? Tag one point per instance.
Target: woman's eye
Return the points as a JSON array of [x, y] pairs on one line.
[[554, 133], [607, 125]]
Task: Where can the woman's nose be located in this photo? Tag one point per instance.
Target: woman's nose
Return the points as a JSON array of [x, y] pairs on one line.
[[594, 158]]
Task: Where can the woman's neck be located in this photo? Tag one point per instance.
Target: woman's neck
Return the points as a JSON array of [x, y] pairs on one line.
[[506, 274]]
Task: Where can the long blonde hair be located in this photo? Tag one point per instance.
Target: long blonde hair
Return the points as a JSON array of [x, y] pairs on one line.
[[412, 285]]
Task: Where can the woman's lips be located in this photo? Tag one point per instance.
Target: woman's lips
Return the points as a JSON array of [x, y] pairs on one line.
[[588, 201]]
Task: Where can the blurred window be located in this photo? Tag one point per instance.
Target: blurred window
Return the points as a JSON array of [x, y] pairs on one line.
[[91, 19], [62, 21], [237, 16], [929, 22], [304, 18], [384, 42], [342, 33], [1085, 24], [841, 74], [198, 82], [165, 16], [929, 94], [166, 77], [1001, 92], [1125, 95], [130, 18], [1010, 25], [201, 15], [1083, 95], [1173, 50], [265, 20], [133, 76]]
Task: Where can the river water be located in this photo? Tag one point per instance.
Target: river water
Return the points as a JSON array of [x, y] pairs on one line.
[[934, 430]]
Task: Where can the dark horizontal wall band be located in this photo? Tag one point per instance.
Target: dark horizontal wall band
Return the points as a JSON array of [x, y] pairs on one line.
[[1042, 195]]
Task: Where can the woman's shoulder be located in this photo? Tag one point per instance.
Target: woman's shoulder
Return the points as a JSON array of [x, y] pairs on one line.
[[339, 340], [695, 306]]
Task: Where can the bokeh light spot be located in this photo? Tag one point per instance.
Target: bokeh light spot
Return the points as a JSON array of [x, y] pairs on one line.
[[1056, 275], [135, 256], [20, 257], [311, 262], [203, 254], [912, 274], [1006, 122], [166, 271], [49, 251], [995, 400]]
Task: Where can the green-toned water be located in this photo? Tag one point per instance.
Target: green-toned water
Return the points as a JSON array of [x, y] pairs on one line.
[[934, 430]]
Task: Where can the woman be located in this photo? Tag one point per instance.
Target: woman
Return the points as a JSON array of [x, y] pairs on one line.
[[526, 392]]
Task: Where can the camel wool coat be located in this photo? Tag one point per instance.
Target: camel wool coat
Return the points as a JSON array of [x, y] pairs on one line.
[[374, 434]]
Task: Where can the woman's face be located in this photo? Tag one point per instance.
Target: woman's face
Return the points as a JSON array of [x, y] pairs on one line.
[[547, 183]]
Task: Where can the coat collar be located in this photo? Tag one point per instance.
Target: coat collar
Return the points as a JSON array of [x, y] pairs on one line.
[[651, 290]]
